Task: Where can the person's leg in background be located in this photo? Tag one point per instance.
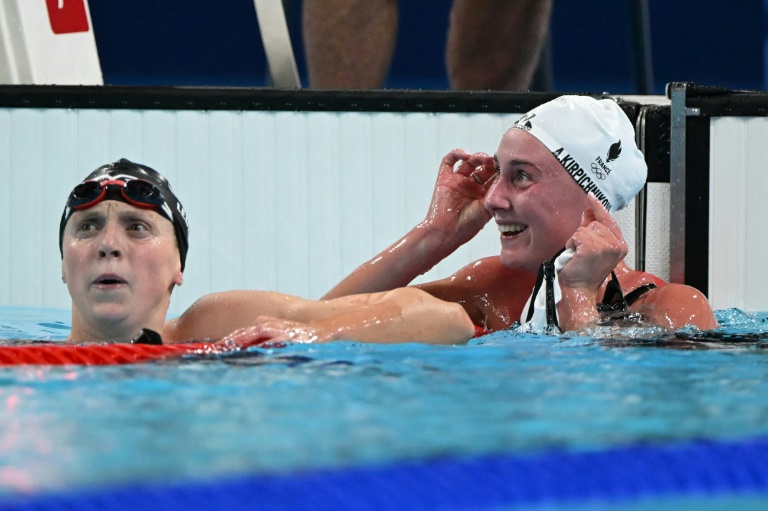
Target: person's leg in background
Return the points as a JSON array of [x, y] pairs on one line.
[[496, 44], [349, 43]]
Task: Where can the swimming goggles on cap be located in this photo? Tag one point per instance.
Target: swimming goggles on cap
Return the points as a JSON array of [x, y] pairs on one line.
[[136, 192]]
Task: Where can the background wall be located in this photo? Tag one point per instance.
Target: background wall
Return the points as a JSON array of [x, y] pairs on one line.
[[198, 42], [270, 207], [737, 213]]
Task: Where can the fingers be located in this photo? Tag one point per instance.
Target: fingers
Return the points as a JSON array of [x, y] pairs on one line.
[[478, 166], [599, 246], [598, 228], [454, 156], [465, 163], [484, 169], [596, 212], [483, 175], [473, 159], [597, 253], [473, 173], [478, 159], [588, 216], [596, 234], [244, 338], [268, 331], [460, 156], [265, 330], [597, 238]]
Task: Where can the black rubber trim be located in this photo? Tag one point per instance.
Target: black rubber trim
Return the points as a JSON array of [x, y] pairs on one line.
[[233, 98]]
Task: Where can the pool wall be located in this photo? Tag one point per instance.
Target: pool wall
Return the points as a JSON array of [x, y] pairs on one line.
[[285, 191], [737, 270], [717, 193]]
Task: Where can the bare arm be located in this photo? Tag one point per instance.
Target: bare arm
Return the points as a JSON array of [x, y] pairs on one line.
[[401, 315], [215, 315], [405, 314], [456, 214]]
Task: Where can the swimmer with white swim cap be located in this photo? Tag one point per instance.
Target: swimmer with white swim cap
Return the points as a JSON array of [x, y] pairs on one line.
[[557, 174]]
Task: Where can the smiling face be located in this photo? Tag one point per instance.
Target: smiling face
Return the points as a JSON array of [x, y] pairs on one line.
[[534, 201], [120, 264]]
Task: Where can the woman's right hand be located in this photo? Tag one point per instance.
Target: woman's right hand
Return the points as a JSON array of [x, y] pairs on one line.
[[456, 210]]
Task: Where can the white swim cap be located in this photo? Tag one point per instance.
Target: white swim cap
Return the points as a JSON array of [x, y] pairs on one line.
[[595, 142]]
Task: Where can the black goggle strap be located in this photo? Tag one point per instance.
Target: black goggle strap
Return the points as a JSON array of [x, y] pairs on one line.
[[536, 289], [613, 298], [551, 307], [613, 301], [546, 277]]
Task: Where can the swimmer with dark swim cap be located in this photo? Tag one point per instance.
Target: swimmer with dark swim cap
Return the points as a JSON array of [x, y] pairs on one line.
[[557, 174], [135, 184], [123, 239]]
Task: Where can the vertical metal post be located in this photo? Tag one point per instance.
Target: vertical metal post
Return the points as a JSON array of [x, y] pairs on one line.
[[641, 39], [677, 93], [640, 198]]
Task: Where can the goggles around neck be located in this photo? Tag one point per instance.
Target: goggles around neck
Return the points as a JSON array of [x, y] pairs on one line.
[[136, 192]]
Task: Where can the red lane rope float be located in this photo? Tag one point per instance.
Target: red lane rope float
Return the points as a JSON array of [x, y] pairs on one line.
[[103, 354]]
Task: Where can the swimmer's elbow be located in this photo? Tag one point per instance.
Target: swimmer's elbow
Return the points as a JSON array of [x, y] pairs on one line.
[[449, 322], [462, 327], [437, 321]]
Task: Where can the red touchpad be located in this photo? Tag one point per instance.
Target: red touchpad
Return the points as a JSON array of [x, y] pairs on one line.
[[67, 16]]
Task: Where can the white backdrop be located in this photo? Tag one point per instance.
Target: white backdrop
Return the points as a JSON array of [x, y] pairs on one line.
[[737, 213], [286, 201]]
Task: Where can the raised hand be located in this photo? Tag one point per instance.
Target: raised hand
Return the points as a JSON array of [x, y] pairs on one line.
[[456, 209], [599, 247], [456, 214]]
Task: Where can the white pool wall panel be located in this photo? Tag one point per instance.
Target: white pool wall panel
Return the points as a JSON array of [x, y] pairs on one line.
[[738, 214], [285, 201]]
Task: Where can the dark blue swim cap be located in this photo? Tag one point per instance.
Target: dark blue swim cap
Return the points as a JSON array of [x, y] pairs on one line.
[[167, 204]]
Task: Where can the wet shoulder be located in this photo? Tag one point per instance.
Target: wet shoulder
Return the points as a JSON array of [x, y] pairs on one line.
[[492, 294], [632, 279]]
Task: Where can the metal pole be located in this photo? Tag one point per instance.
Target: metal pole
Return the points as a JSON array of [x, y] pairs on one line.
[[641, 39]]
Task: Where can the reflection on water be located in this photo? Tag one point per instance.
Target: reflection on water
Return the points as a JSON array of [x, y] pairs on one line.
[[342, 404]]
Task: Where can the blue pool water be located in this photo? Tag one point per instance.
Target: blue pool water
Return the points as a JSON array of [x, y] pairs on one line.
[[345, 406]]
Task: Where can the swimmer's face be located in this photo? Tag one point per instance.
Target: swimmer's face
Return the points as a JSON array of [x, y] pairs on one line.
[[120, 264], [534, 201]]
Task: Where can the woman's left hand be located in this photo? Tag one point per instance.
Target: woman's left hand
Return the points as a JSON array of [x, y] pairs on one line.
[[269, 330], [599, 247]]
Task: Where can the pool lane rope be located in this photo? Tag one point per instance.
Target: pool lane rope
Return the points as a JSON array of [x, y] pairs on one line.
[[101, 354], [146, 347]]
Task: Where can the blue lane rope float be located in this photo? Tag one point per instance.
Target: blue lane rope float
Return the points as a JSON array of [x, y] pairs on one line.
[[621, 475]]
